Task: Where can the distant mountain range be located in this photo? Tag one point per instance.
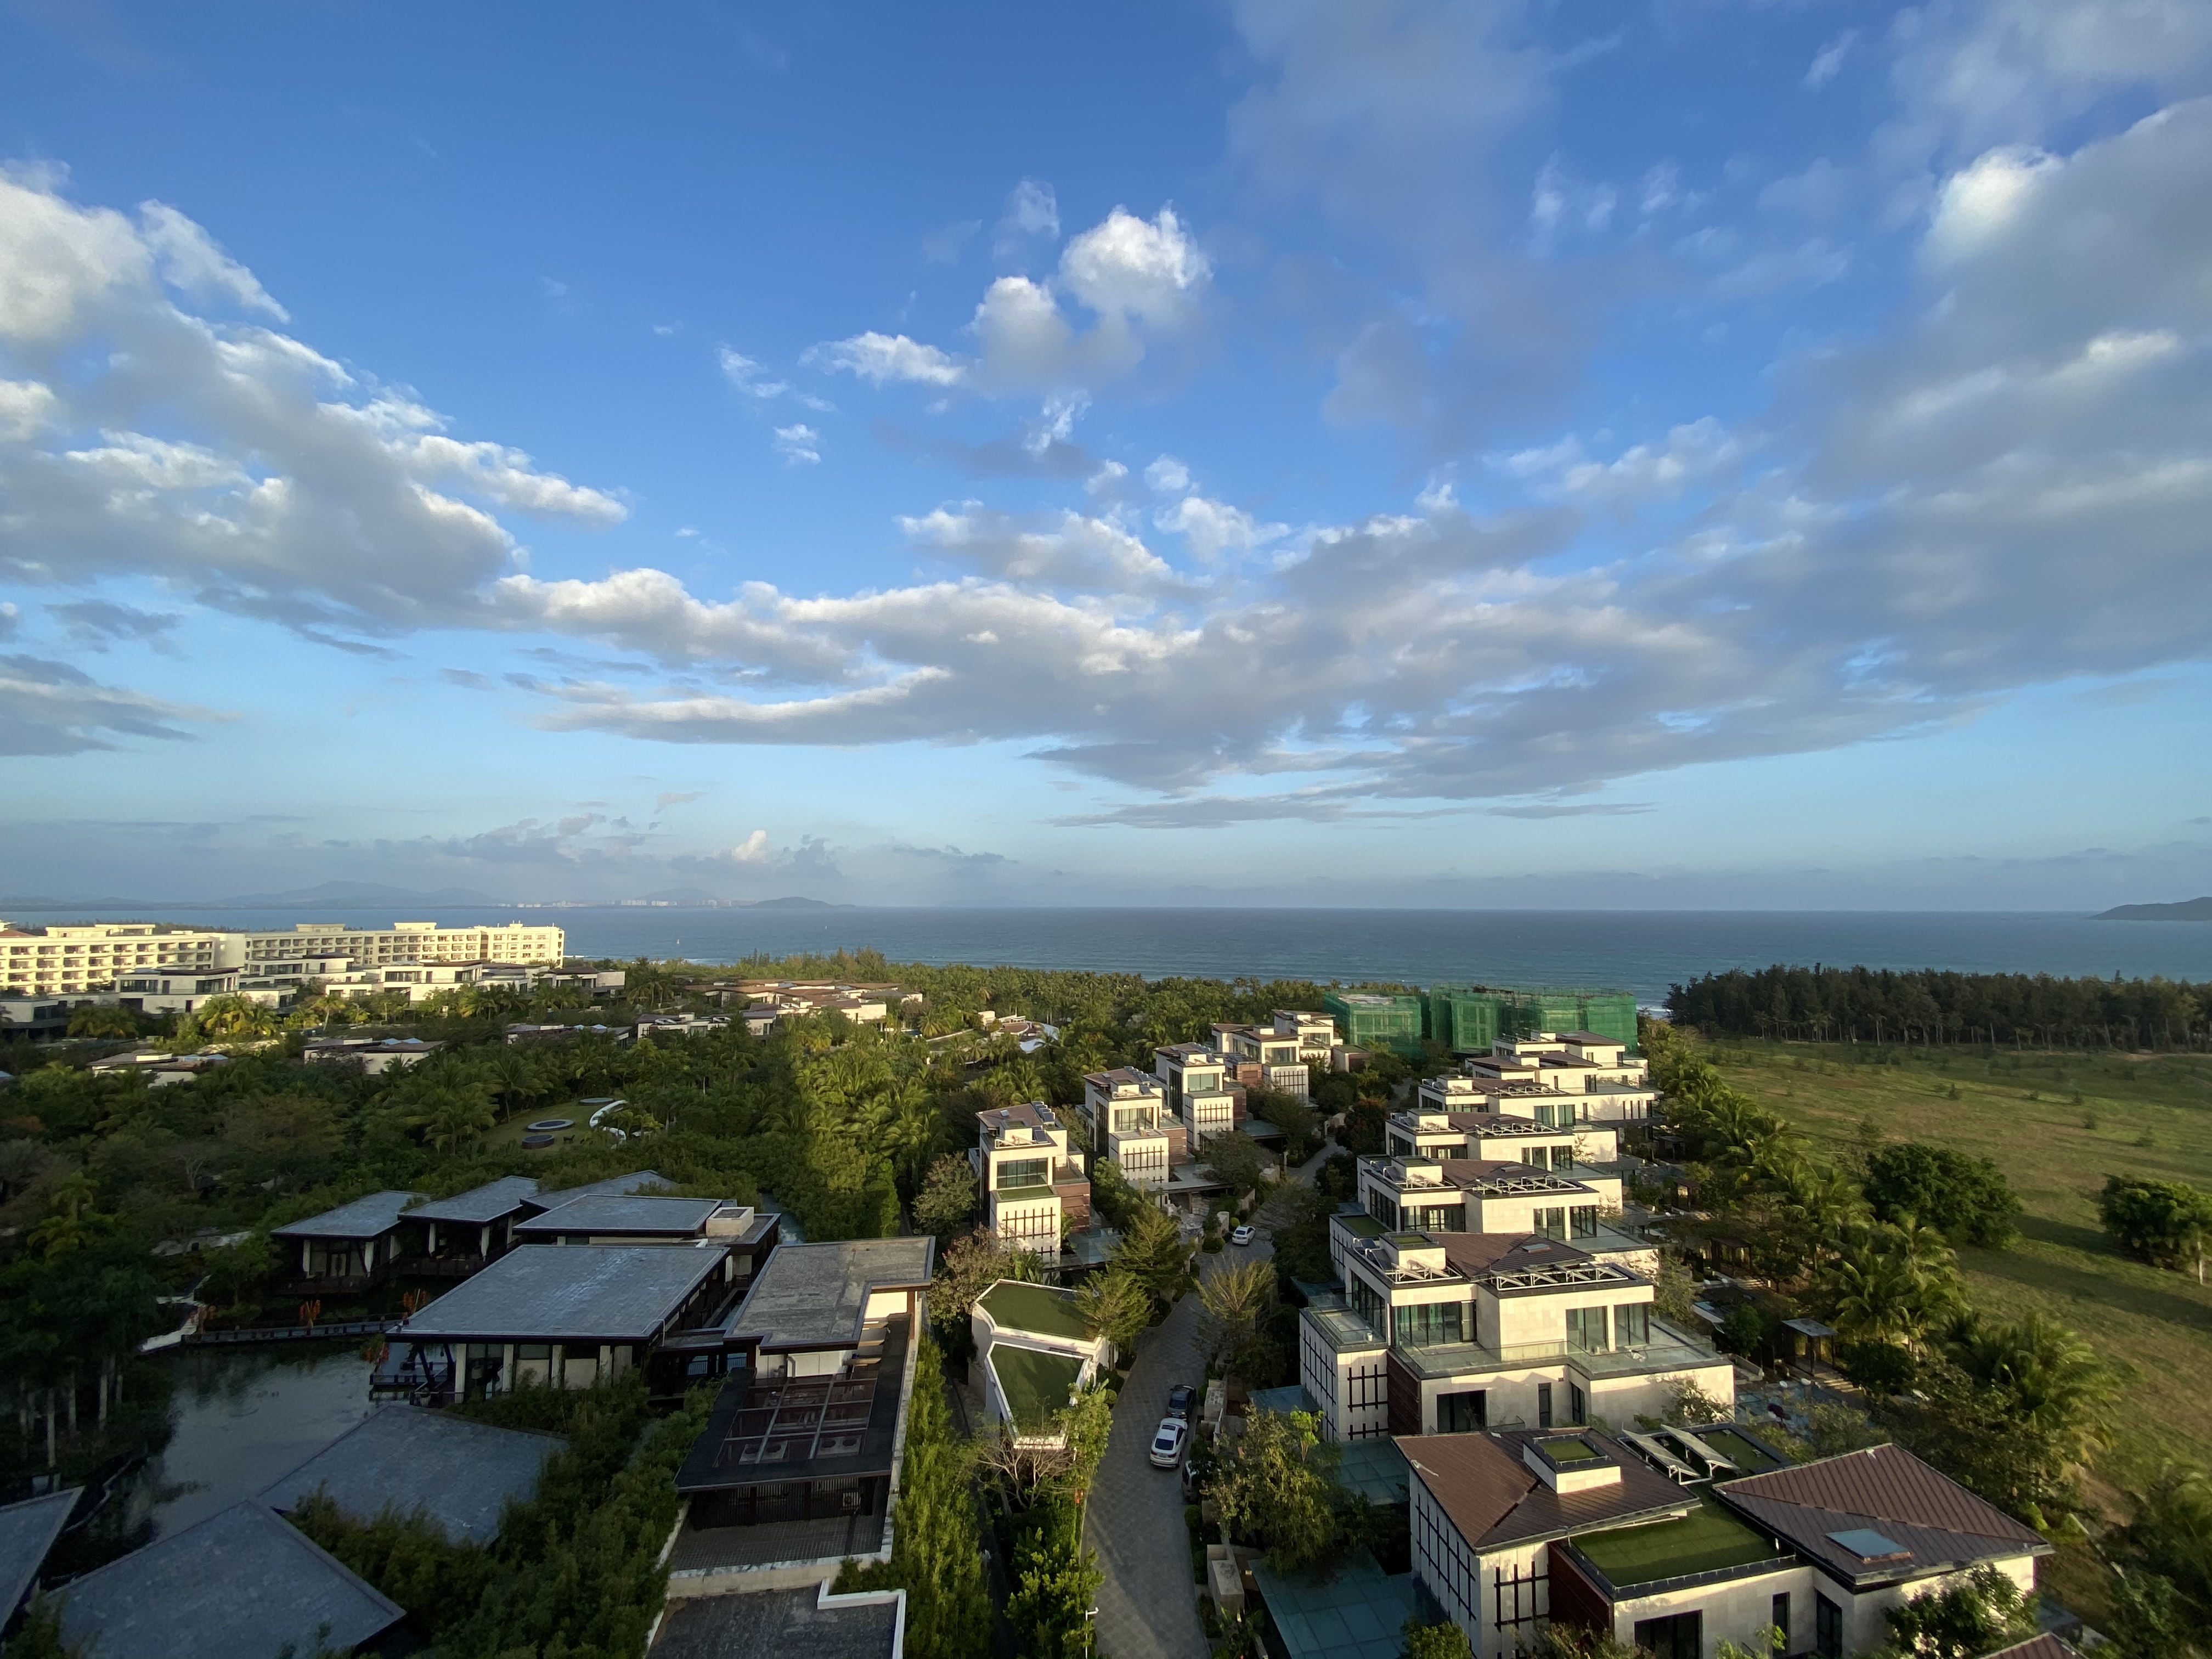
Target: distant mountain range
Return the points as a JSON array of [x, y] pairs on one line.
[[2196, 909]]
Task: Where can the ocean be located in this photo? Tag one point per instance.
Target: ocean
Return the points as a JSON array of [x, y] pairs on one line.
[[1641, 951]]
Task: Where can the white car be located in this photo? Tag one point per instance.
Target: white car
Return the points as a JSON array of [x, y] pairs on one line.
[[1167, 1443], [1244, 1234]]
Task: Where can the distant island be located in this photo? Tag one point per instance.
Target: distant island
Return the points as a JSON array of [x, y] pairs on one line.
[[2196, 909]]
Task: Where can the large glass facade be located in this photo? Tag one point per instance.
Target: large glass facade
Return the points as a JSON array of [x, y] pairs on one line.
[[1427, 1324], [1589, 1330], [1552, 1223], [1368, 1304], [1581, 1221], [1383, 1207], [1461, 1413], [1632, 1326], [1024, 1172]]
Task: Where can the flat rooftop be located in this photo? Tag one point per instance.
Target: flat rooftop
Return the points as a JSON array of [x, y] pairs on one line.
[[611, 1212], [479, 1205], [816, 1295], [365, 1218], [637, 1181], [458, 1472], [1044, 1309], [242, 1582], [570, 1292]]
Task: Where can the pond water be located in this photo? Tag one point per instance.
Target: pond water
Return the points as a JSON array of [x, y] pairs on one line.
[[244, 1418]]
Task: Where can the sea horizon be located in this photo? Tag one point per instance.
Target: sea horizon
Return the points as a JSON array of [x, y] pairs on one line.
[[1645, 952]]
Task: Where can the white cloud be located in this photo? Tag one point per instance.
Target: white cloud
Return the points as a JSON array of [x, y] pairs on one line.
[[798, 445], [881, 357], [1828, 62], [748, 376], [1032, 213], [1168, 475], [753, 849], [276, 485], [1978, 202], [1215, 529], [1064, 550], [1142, 278]]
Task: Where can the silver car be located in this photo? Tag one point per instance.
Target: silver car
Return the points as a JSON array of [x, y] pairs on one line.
[[1167, 1443]]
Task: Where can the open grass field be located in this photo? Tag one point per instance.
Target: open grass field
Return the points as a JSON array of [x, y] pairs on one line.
[[2057, 1125]]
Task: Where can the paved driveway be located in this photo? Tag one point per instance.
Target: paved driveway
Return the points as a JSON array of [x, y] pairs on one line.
[[1148, 1604]]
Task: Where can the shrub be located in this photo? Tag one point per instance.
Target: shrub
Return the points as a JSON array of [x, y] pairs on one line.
[[1966, 1199]]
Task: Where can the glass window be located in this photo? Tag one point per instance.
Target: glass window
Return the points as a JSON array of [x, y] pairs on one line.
[[1632, 1326], [1383, 1208], [1429, 1324], [1543, 1405], [1552, 1223], [1827, 1627], [1463, 1413], [1022, 1172], [1583, 1221], [1780, 1620], [1367, 1303], [1442, 1218], [1679, 1636], [1587, 1330]]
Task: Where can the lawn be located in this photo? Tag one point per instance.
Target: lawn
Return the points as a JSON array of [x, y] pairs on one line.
[[1706, 1540], [2057, 1125]]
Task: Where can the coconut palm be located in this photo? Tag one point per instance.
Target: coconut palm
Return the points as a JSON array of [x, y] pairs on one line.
[[2054, 1381]]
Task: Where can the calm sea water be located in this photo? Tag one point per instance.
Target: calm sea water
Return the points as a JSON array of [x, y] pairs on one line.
[[1642, 951]]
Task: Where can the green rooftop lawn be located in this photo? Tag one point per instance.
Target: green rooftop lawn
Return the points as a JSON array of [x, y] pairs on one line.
[[1035, 1384], [1364, 1226], [1038, 1308], [1706, 1540], [1022, 1195]]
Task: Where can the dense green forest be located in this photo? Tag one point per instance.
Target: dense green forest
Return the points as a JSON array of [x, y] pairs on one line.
[[1868, 1005]]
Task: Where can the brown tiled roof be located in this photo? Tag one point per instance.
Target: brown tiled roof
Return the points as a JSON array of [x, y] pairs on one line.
[[1495, 1499], [1883, 1489], [1478, 1253]]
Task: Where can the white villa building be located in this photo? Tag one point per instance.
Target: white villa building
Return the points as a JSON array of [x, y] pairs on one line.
[[1037, 1357], [1445, 1331], [67, 960], [408, 941], [1033, 1187], [1129, 1122], [1603, 1082], [1196, 1079]]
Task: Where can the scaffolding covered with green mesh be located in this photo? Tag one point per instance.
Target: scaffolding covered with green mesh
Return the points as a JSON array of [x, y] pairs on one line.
[[1468, 1019], [1377, 1020]]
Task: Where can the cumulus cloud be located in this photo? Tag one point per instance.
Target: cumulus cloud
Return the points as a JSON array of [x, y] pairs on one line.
[[1142, 279], [95, 622], [1032, 214], [227, 458], [1068, 550], [753, 849]]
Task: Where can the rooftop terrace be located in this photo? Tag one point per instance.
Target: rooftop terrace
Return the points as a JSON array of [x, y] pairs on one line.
[[1706, 1540], [1039, 1308], [1035, 1383]]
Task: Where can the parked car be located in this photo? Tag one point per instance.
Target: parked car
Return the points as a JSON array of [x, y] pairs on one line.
[[1167, 1443], [1244, 1234], [1180, 1399]]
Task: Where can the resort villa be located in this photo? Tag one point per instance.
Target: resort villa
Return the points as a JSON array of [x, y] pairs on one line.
[[1034, 1189], [1127, 1116], [1512, 1531], [1037, 1357], [1196, 1078]]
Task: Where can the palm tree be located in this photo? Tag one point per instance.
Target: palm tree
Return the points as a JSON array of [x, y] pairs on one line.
[[2054, 1381], [451, 1115], [1877, 1297], [1236, 1298]]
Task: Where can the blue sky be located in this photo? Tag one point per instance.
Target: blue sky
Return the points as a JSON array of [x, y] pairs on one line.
[[1665, 454]]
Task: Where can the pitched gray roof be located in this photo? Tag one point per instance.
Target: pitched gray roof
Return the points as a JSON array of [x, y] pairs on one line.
[[457, 1472], [240, 1585], [816, 1294], [570, 1292], [609, 1213], [365, 1218], [479, 1204], [27, 1531]]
